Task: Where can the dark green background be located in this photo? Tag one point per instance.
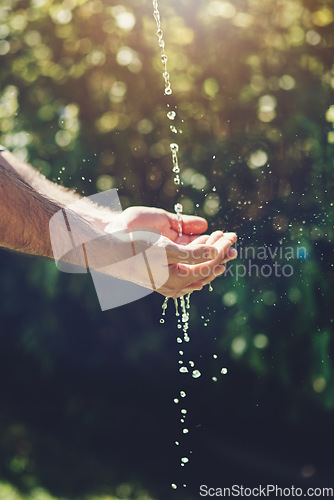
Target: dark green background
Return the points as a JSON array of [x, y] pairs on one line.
[[86, 408]]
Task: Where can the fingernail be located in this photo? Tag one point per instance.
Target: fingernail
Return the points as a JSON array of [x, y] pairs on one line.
[[219, 270], [232, 253]]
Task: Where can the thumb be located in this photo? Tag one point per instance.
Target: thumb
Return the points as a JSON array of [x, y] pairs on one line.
[[190, 254], [191, 224]]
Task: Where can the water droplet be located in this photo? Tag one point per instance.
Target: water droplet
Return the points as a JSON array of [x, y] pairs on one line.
[[214, 356], [183, 411], [176, 400], [162, 320], [183, 369], [214, 379], [164, 305], [177, 443], [192, 364], [171, 115], [182, 394], [223, 371], [176, 307], [179, 340], [185, 460], [196, 374], [174, 147], [185, 431], [174, 486]]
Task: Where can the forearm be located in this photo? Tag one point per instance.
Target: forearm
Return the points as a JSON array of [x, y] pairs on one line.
[[24, 212], [38, 181], [28, 201]]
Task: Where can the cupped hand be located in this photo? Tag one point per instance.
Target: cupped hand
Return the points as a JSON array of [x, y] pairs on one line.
[[194, 259], [167, 223], [183, 263]]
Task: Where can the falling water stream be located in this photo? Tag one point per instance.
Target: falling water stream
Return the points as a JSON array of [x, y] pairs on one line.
[[182, 305]]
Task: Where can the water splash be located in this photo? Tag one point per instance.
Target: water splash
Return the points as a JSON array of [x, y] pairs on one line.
[[164, 307], [168, 90], [178, 210], [176, 307], [164, 58], [175, 160], [183, 318], [196, 374]]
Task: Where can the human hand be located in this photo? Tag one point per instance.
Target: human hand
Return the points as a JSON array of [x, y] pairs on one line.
[[193, 265], [167, 223], [193, 259]]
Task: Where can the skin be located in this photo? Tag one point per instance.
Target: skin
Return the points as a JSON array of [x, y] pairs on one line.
[[28, 201]]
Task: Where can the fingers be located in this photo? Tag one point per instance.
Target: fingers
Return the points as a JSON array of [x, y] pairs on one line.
[[200, 262], [191, 254], [231, 254], [214, 237], [223, 245], [200, 240], [200, 272], [217, 271], [191, 224], [205, 272]]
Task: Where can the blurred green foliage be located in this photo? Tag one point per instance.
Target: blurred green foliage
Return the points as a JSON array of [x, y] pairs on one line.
[[81, 98]]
